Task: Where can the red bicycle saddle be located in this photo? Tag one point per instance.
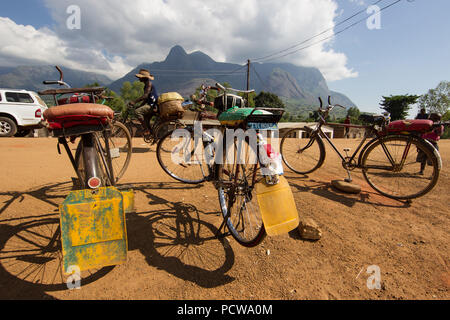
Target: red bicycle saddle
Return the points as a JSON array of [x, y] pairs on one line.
[[77, 114], [421, 125]]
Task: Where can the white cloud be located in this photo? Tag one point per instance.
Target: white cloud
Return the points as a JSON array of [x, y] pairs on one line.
[[359, 2], [27, 45], [116, 34]]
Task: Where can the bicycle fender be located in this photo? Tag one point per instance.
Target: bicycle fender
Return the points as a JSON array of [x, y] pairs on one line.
[[435, 152]]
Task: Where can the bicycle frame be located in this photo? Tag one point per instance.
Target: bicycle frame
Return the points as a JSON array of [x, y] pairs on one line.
[[89, 140], [319, 131]]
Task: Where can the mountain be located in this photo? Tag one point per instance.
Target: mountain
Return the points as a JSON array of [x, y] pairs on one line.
[[183, 72], [299, 87], [31, 77]]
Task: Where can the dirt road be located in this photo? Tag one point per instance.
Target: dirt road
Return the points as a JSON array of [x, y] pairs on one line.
[[173, 253]]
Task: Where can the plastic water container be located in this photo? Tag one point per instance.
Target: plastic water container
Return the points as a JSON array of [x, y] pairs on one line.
[[277, 205]]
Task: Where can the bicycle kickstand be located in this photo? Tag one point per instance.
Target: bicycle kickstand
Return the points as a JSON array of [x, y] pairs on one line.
[[224, 234], [349, 177]]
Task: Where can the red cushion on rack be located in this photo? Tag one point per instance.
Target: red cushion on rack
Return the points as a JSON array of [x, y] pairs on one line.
[[78, 109], [410, 125]]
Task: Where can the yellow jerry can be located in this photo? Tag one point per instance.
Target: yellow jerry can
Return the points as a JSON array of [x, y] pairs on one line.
[[128, 200], [277, 205], [93, 229]]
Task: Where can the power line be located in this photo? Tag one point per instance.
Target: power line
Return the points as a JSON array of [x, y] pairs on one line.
[[260, 79], [324, 39], [185, 73], [319, 34], [198, 71]]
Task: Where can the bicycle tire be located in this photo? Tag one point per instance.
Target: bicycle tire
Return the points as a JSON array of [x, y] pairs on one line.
[[161, 129], [306, 161], [247, 229], [118, 133], [121, 139], [79, 162], [399, 182], [186, 171], [31, 253]]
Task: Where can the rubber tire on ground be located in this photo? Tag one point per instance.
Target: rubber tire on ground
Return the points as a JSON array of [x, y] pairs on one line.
[[22, 133], [346, 187], [12, 127]]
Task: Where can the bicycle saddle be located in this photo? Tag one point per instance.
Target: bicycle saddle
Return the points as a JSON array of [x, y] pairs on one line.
[[78, 114], [79, 110]]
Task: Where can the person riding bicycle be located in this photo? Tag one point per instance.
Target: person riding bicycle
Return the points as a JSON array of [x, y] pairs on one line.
[[433, 137], [150, 97]]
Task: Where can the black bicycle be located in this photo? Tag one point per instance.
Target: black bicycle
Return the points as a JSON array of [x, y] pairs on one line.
[[158, 126], [388, 161], [233, 168]]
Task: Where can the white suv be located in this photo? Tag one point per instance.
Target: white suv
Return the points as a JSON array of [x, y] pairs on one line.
[[20, 112]]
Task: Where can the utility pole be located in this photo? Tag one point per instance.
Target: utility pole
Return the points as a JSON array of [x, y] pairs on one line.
[[248, 79]]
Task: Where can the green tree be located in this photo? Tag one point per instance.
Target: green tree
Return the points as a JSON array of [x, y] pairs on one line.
[[353, 112], [116, 103], [286, 117], [437, 99], [398, 106], [131, 91], [268, 100], [92, 85]]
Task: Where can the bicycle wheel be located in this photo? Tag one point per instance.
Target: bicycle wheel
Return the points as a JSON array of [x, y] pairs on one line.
[[160, 129], [31, 254], [100, 162], [120, 145], [300, 152], [181, 159], [390, 167], [237, 200]]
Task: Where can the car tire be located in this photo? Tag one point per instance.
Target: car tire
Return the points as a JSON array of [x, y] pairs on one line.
[[22, 133], [8, 127]]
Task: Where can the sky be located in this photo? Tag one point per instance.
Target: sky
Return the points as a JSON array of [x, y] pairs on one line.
[[403, 50]]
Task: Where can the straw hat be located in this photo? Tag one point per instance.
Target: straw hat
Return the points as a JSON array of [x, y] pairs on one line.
[[143, 73]]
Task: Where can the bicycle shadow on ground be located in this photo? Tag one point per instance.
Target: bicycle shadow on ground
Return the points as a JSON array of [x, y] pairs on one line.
[[140, 150], [24, 270], [176, 240], [18, 283], [325, 190], [24, 257], [52, 194]]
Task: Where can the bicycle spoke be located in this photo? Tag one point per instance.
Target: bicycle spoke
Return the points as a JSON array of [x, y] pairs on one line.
[[391, 167]]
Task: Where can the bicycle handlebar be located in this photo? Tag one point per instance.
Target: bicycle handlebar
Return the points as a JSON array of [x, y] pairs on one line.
[[231, 89], [441, 123], [105, 97], [60, 81], [330, 106]]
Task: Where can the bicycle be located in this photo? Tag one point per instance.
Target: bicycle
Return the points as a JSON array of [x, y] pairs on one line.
[[192, 170], [157, 128], [94, 124], [388, 161], [234, 178], [35, 248]]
